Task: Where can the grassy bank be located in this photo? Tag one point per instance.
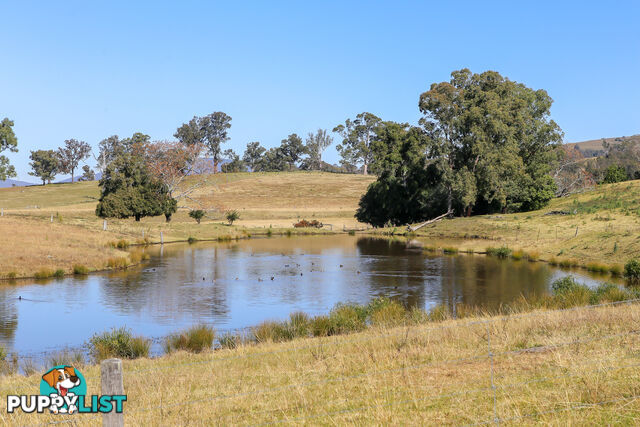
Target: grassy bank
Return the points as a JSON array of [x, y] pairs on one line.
[[596, 227], [576, 366], [268, 203]]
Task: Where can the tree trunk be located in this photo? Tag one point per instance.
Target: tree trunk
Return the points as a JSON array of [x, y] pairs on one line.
[[469, 210], [138, 218], [364, 169], [72, 175]]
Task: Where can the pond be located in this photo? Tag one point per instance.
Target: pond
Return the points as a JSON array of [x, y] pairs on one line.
[[241, 283]]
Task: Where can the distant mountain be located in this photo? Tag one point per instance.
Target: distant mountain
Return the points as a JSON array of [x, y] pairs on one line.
[[594, 148], [14, 183], [64, 181]]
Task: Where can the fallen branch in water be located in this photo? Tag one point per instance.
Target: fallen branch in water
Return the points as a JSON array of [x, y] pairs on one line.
[[431, 221]]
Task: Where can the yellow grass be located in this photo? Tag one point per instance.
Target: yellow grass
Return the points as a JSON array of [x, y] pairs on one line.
[[607, 220], [576, 367], [265, 201]]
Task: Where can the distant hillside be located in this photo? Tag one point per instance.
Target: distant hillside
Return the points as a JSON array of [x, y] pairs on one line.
[[593, 147], [14, 183]]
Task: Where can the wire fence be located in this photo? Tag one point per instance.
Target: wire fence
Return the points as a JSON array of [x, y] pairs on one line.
[[487, 356]]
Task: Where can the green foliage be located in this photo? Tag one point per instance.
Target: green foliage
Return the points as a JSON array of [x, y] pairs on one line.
[[235, 164], [315, 144], [43, 273], [87, 174], [501, 252], [615, 173], [66, 357], [128, 190], [191, 240], [232, 216], [565, 284], [80, 270], [197, 214], [210, 131], [486, 145], [59, 273], [358, 135], [45, 165], [118, 343], [71, 155], [194, 340], [252, 156], [8, 141], [632, 271]]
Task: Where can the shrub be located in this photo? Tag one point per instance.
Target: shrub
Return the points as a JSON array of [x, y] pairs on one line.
[[439, 313], [390, 313], [191, 240], [299, 324], [533, 256], [348, 318], [43, 274], [230, 340], [597, 267], [553, 261], [269, 232], [517, 255], [12, 275], [197, 214], [609, 292], [632, 271], [450, 250], [118, 343], [195, 340], [119, 262], [80, 270], [122, 244], [59, 273], [272, 331], [232, 216], [321, 326], [502, 252], [564, 284], [352, 232], [616, 270]]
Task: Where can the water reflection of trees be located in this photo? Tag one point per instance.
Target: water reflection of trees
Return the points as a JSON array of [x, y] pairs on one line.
[[420, 280], [8, 317]]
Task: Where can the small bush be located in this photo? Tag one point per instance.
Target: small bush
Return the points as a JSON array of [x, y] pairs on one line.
[[59, 273], [230, 341], [632, 271], [122, 244], [517, 255], [609, 292], [616, 270], [352, 232], [272, 331], [564, 284], [288, 233], [118, 343], [321, 326], [12, 275], [439, 313], [232, 216], [43, 274], [389, 314], [450, 250], [197, 214], [533, 256], [269, 232], [553, 261], [191, 240], [569, 293], [225, 238], [119, 262], [597, 267], [194, 340], [502, 252], [348, 318], [80, 270]]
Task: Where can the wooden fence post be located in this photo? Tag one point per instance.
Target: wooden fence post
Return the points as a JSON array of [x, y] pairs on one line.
[[1, 211], [111, 384], [104, 225], [161, 238], [51, 217]]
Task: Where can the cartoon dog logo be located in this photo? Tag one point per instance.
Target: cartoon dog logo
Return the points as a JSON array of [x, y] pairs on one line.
[[62, 379]]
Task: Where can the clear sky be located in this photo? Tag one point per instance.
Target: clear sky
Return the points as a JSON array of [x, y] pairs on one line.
[[87, 70]]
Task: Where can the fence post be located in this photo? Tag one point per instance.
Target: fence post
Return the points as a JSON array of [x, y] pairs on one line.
[[493, 385], [104, 225], [51, 217], [161, 238], [111, 384], [1, 211]]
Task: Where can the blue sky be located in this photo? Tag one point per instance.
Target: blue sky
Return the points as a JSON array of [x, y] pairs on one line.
[[87, 70]]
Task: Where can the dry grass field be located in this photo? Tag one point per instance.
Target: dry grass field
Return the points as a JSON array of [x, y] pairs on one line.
[[573, 367], [267, 202], [601, 225]]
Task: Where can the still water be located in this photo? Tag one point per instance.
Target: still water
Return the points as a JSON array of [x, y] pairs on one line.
[[239, 284]]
